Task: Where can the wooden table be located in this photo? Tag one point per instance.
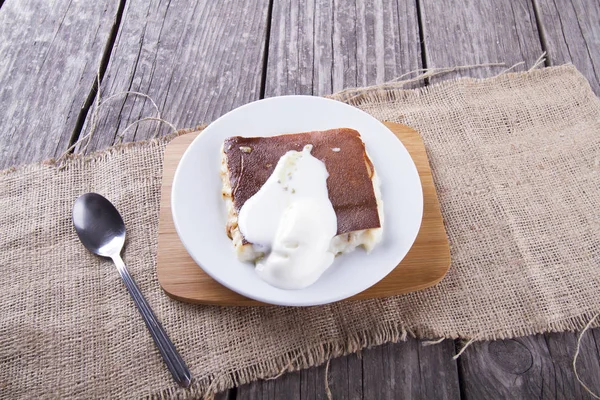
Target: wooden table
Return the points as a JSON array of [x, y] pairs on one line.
[[200, 59]]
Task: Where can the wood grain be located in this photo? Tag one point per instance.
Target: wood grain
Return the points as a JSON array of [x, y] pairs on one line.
[[196, 59], [479, 31], [284, 387], [571, 33], [409, 370], [322, 46], [345, 377], [50, 52], [537, 366], [426, 263], [404, 370]]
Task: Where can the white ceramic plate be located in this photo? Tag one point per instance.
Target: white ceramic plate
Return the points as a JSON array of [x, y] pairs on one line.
[[199, 211]]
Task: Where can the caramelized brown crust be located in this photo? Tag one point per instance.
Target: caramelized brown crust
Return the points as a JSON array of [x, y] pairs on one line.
[[250, 162]]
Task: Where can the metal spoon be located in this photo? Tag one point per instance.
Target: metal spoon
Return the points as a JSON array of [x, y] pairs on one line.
[[102, 231]]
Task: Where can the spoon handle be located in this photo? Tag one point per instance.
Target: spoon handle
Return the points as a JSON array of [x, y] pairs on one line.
[[167, 349]]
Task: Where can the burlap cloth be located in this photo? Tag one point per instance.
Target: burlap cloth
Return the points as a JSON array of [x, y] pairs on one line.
[[516, 162]]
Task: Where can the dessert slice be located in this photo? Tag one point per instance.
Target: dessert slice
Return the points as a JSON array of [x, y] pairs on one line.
[[353, 186]]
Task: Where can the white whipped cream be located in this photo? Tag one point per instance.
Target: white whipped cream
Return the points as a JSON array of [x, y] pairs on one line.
[[292, 219]]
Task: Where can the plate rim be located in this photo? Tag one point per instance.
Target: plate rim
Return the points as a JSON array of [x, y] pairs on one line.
[[299, 301]]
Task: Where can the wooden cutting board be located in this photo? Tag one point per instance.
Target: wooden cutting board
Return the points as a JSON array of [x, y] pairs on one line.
[[425, 264]]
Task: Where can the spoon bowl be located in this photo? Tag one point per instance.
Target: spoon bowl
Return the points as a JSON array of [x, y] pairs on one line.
[[98, 224], [102, 231]]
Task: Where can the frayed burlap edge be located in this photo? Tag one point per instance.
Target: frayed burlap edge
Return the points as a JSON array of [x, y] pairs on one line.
[[392, 91], [318, 355], [73, 160]]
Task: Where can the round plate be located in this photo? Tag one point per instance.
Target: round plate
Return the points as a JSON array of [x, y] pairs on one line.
[[199, 210]]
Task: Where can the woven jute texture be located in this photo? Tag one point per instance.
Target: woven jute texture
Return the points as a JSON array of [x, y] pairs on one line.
[[516, 162]]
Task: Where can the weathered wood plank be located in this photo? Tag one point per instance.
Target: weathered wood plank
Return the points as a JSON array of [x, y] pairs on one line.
[[436, 365], [345, 377], [410, 370], [571, 33], [50, 52], [391, 371], [562, 348], [312, 384], [345, 381], [196, 59], [226, 395], [322, 46], [536, 366], [285, 387], [470, 32]]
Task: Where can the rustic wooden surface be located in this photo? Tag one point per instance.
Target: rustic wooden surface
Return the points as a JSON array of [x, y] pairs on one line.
[[196, 59], [476, 32], [49, 55], [201, 59], [426, 263], [531, 367], [319, 47], [569, 33], [406, 370]]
